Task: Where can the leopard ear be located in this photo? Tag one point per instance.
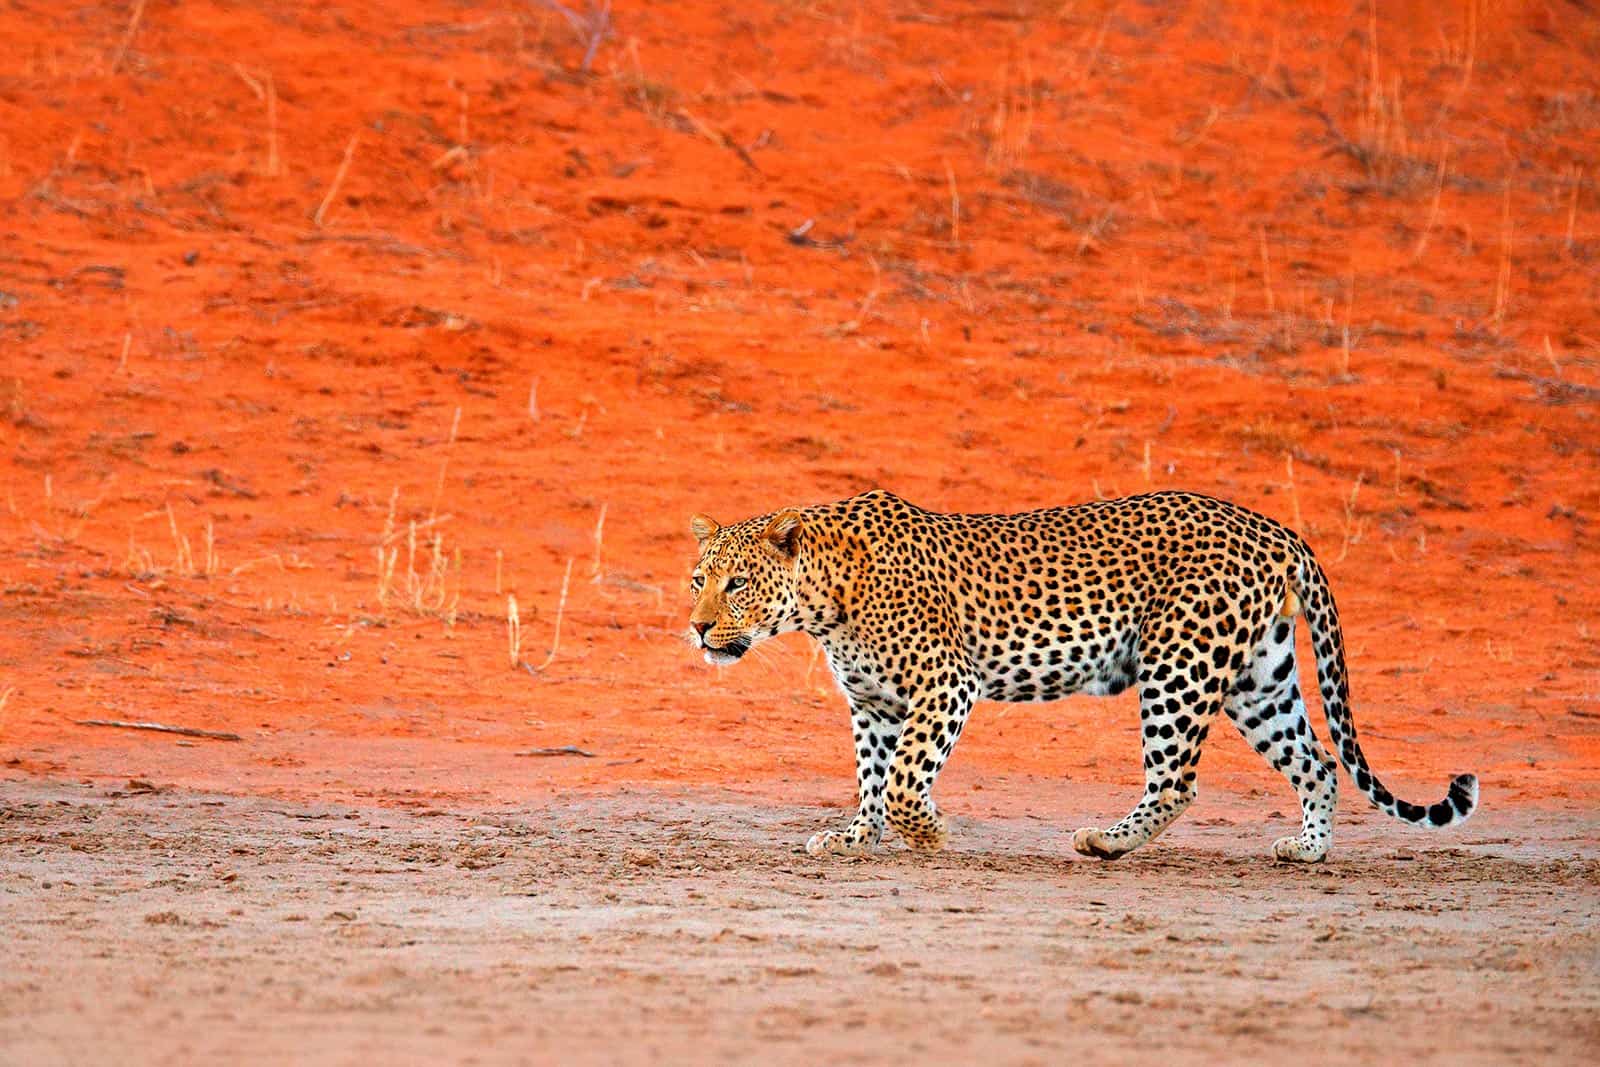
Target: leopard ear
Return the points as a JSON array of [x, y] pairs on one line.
[[704, 527], [783, 533]]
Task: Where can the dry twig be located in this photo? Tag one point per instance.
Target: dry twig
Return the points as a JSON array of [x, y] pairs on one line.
[[186, 731]]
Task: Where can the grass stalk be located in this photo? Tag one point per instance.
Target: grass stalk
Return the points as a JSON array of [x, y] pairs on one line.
[[1294, 494], [599, 538], [1502, 285], [1353, 529], [438, 484], [184, 561], [955, 204], [1266, 273], [128, 35], [513, 632], [1433, 211], [1572, 206], [338, 180], [561, 610]]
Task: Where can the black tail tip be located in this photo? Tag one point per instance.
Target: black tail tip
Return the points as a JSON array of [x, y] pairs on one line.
[[1458, 804]]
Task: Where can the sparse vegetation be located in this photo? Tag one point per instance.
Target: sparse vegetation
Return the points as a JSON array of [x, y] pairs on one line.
[[432, 591]]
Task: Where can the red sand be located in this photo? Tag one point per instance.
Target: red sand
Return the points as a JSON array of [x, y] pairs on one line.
[[1050, 255]]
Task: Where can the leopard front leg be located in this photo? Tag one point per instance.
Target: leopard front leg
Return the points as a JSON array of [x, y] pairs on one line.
[[876, 729], [929, 734]]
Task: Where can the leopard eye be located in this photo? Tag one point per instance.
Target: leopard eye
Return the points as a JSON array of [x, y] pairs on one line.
[[697, 582], [736, 583]]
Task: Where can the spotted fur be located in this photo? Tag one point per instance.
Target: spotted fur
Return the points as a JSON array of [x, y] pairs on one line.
[[1187, 599]]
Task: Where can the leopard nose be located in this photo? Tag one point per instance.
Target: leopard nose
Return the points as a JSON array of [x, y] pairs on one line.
[[701, 628]]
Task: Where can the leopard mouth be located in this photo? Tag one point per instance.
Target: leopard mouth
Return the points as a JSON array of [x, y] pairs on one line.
[[732, 652]]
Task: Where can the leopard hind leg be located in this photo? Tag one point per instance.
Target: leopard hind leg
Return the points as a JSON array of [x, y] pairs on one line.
[[1266, 705], [1181, 687]]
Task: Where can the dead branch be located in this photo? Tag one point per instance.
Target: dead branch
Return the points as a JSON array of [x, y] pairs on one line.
[[186, 731]]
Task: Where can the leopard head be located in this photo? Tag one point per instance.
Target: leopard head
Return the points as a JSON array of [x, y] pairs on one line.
[[745, 583]]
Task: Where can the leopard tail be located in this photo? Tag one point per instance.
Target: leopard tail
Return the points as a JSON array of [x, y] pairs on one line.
[[1309, 583]]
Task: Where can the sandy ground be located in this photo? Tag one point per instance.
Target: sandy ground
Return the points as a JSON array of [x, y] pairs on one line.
[[275, 461], [659, 927]]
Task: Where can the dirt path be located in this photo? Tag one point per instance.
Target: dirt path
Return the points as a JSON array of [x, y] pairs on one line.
[[659, 927]]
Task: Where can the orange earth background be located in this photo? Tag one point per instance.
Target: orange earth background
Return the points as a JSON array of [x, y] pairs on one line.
[[325, 332]]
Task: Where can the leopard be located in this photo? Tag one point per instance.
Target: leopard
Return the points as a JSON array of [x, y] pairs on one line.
[[1190, 600]]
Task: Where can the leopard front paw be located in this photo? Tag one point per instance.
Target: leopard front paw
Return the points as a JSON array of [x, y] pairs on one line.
[[847, 842]]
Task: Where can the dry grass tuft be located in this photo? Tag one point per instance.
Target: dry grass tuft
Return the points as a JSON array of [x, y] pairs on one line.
[[434, 590], [266, 91], [139, 562], [183, 562]]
